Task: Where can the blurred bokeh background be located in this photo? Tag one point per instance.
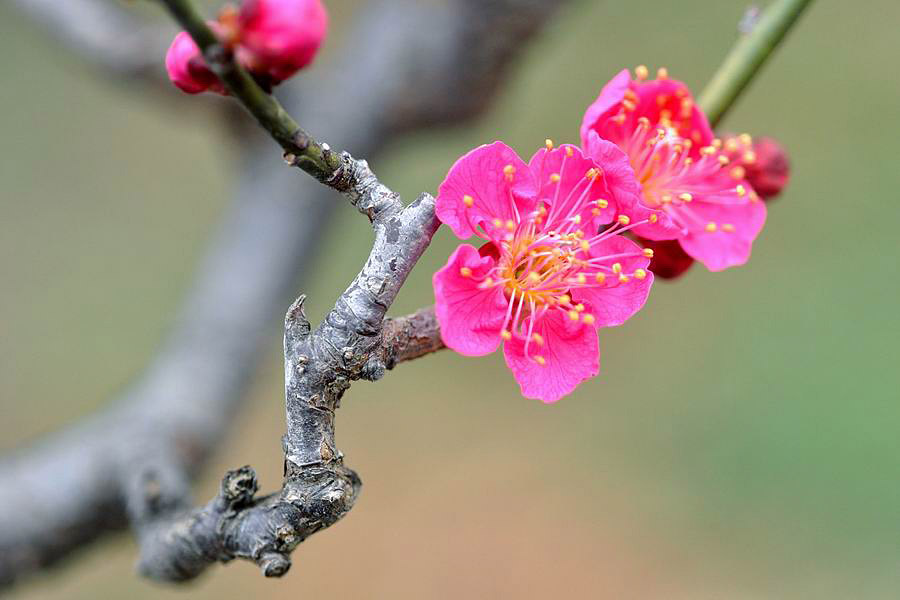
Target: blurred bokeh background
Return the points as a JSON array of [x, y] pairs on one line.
[[742, 440]]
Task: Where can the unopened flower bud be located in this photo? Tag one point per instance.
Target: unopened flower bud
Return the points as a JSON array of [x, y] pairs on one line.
[[669, 260], [770, 172], [764, 163], [187, 69], [276, 38]]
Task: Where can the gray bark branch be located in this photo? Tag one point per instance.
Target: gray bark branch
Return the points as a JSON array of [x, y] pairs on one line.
[[135, 460]]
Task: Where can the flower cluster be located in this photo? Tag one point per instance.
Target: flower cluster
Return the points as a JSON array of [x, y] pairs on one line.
[[272, 39], [555, 265]]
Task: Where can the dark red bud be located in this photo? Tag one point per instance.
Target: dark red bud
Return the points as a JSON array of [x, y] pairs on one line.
[[669, 260]]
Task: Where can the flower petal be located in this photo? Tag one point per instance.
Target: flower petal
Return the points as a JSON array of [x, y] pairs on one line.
[[616, 300], [566, 189], [481, 187], [620, 180], [606, 105], [570, 351], [728, 244], [470, 317]]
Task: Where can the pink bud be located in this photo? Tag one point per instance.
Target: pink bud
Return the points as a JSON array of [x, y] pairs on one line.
[[276, 38], [187, 69]]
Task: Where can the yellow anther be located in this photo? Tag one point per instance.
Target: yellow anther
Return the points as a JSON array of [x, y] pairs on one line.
[[623, 220], [728, 227], [749, 156], [617, 267], [554, 177], [662, 73], [666, 198], [640, 274], [468, 200], [569, 151], [647, 252], [579, 307], [738, 172], [716, 143], [688, 161], [585, 245], [573, 315], [588, 319], [685, 197], [641, 72], [591, 173], [564, 299], [508, 170], [510, 225], [465, 272], [548, 143], [723, 160], [487, 282], [600, 278], [746, 139], [731, 145], [579, 234], [506, 335], [601, 203], [711, 227], [497, 223], [654, 218], [533, 277], [707, 150], [741, 190], [538, 339], [540, 360], [619, 119], [623, 278], [644, 122], [596, 212], [576, 219], [628, 105], [582, 279]]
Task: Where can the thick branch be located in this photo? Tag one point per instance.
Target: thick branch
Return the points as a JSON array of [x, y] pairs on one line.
[[103, 32], [69, 489]]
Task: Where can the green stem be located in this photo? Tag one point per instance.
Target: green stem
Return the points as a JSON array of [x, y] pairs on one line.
[[747, 56], [300, 148]]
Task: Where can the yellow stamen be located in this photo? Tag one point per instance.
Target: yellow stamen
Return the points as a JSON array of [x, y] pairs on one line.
[[623, 278], [579, 307], [686, 197], [640, 273], [468, 200], [600, 277], [741, 190], [662, 73], [588, 319], [506, 335], [654, 218], [511, 225], [465, 272], [540, 360], [538, 339], [648, 252], [617, 267], [641, 72], [554, 177], [569, 151], [728, 227], [623, 220], [564, 299], [711, 227], [573, 315], [548, 143], [602, 203]]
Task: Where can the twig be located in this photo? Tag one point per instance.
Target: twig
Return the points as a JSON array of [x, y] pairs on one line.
[[747, 56]]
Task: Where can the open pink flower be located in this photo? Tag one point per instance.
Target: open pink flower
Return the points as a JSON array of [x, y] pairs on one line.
[[683, 174], [545, 280]]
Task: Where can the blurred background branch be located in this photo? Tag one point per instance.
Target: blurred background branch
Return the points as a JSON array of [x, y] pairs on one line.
[[72, 487]]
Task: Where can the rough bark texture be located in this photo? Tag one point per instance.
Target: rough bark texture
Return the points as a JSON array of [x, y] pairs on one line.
[[135, 460]]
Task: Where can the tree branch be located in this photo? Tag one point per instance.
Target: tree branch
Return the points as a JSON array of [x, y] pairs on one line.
[[73, 487], [748, 56]]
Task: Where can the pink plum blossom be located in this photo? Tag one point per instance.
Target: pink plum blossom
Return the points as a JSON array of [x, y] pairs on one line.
[[686, 180], [548, 275]]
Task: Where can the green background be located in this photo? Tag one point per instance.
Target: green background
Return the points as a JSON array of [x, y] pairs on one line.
[[741, 441]]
